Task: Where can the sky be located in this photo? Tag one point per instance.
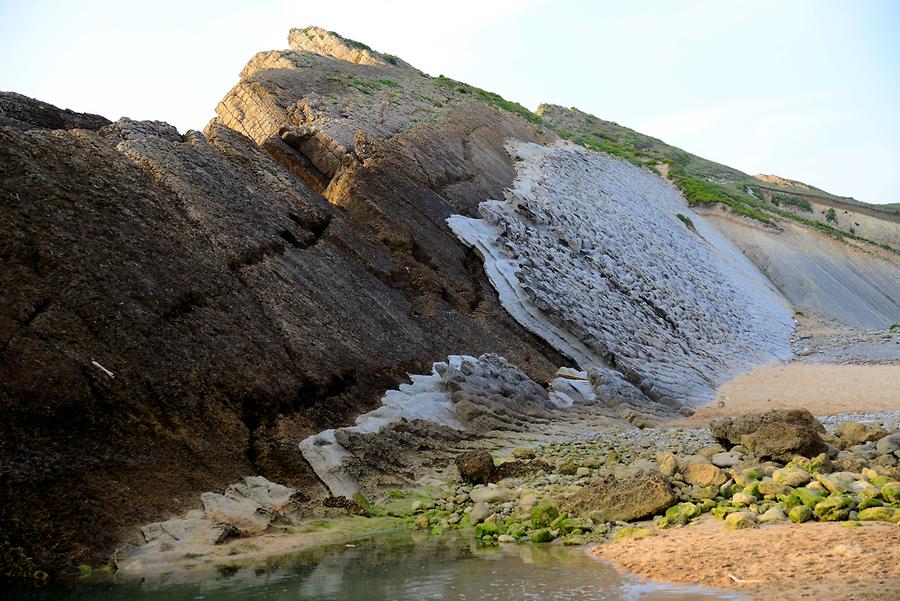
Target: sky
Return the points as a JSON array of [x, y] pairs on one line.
[[808, 90]]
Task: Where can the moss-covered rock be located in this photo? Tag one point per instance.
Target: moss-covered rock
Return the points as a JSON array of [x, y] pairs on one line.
[[834, 508], [543, 535], [890, 492], [517, 530], [820, 464], [809, 496], [679, 515], [791, 476], [800, 514], [868, 503], [881, 514], [488, 529], [740, 520], [722, 512], [543, 514], [772, 489]]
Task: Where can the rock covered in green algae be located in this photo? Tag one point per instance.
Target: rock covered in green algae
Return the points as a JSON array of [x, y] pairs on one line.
[[890, 492], [882, 514], [544, 535], [543, 514], [679, 515], [834, 508], [740, 520], [791, 476], [800, 514]]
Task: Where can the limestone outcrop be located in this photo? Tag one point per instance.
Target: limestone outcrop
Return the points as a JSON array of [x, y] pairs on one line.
[[587, 251]]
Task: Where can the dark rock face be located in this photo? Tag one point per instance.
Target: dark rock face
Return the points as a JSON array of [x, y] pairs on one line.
[[728, 430], [476, 467], [177, 311], [26, 113], [630, 499]]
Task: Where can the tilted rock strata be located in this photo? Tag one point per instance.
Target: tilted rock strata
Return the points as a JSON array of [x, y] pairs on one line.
[[417, 424], [200, 285], [587, 252]]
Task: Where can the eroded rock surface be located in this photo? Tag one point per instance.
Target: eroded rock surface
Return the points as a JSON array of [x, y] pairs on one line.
[[587, 251]]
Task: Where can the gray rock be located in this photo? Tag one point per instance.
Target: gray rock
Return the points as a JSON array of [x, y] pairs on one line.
[[888, 444], [726, 459], [480, 512]]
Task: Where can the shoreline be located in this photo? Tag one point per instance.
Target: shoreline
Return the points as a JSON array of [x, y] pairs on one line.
[[785, 561]]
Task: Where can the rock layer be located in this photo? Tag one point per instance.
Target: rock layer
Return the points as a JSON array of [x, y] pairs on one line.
[[587, 252]]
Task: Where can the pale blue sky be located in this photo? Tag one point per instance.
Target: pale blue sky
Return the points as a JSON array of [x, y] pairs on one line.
[[807, 90]]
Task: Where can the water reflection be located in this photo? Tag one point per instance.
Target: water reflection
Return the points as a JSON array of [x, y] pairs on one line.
[[396, 567]]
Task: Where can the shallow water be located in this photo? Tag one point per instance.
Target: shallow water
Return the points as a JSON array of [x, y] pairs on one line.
[[395, 567]]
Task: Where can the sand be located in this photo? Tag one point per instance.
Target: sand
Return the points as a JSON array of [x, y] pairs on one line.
[[785, 561], [824, 389]]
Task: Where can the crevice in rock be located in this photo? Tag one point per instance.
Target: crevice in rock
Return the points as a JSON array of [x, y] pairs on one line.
[[256, 255], [185, 303], [36, 311]]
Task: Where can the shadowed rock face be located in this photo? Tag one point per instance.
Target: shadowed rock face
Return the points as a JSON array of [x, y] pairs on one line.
[[178, 311]]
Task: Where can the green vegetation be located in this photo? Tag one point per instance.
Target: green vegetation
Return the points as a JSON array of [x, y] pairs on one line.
[[792, 201], [390, 83], [354, 44], [390, 59], [702, 192], [894, 327], [831, 216], [685, 220], [490, 98]]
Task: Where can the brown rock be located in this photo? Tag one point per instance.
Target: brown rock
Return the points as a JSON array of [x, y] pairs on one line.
[[630, 499], [703, 474], [781, 441], [852, 433], [728, 430], [476, 467]]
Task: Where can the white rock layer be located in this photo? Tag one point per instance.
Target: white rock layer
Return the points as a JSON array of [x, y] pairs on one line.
[[587, 252]]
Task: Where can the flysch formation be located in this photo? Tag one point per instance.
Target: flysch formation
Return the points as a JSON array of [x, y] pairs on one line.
[[589, 253]]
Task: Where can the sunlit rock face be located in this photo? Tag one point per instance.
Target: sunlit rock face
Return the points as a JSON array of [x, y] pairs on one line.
[[589, 252]]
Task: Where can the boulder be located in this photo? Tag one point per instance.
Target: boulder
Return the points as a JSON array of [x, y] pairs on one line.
[[800, 514], [791, 476], [781, 441], [476, 467], [703, 474], [853, 433], [888, 444], [740, 520], [668, 465], [728, 430], [726, 459], [480, 512], [623, 500], [773, 514], [882, 514], [491, 494], [834, 508]]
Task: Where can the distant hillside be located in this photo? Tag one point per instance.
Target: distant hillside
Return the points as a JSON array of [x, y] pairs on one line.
[[765, 198]]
